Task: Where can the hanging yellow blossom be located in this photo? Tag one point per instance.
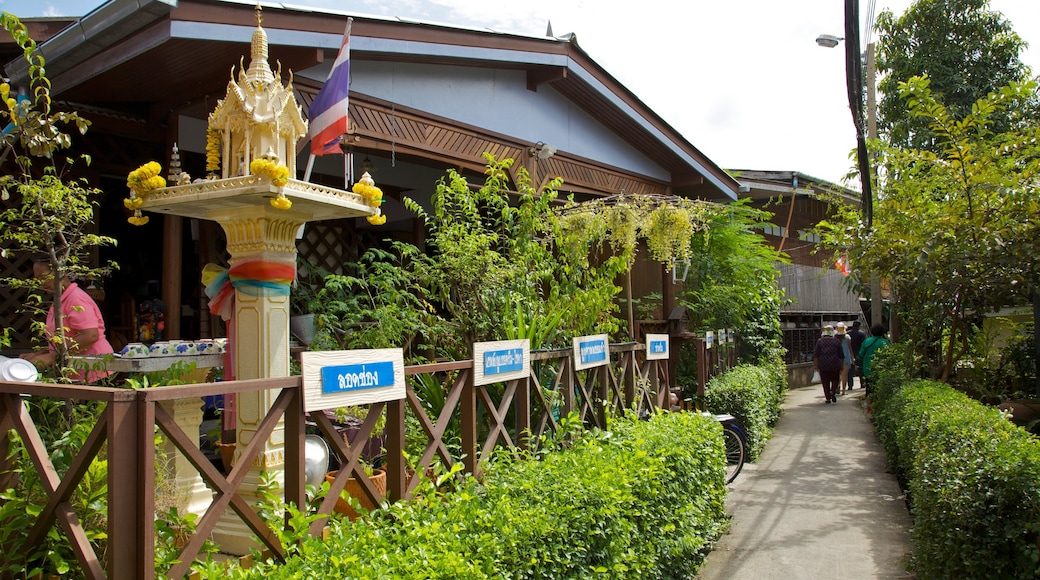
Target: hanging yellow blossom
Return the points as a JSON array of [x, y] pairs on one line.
[[277, 173], [212, 150], [366, 188], [140, 181], [376, 220], [281, 202]]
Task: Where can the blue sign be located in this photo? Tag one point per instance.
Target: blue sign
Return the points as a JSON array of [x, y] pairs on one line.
[[503, 361], [339, 379], [592, 351], [658, 346]]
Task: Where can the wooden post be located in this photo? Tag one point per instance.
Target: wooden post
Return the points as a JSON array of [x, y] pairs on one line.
[[295, 487], [395, 467], [523, 412], [468, 405], [131, 468], [173, 231]]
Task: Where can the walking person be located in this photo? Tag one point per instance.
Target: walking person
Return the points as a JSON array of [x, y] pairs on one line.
[[870, 347], [856, 338], [846, 357], [827, 360]]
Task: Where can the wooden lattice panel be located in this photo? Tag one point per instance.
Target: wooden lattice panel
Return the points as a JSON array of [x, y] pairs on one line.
[[329, 245], [12, 301]]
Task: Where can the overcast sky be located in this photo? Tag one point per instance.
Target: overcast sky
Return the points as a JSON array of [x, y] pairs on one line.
[[742, 80]]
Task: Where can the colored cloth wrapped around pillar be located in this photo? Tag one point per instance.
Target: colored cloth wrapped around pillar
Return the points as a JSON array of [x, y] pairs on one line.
[[252, 277]]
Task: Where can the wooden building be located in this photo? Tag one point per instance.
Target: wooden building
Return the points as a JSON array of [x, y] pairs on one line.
[[423, 98], [818, 292]]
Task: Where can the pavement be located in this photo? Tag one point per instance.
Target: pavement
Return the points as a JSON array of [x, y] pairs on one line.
[[820, 502]]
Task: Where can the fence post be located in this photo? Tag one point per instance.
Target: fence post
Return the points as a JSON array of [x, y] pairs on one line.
[[468, 403], [523, 412], [295, 488], [131, 471], [602, 393], [7, 479], [395, 449]]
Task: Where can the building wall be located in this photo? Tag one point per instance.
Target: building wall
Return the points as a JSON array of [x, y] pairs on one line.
[[816, 290], [499, 101]]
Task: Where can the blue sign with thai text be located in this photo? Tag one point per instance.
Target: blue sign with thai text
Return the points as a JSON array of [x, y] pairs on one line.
[[592, 351], [338, 379], [503, 361], [658, 346]]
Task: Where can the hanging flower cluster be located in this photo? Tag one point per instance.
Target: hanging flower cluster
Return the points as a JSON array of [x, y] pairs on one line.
[[140, 181], [277, 173], [366, 188], [212, 150]]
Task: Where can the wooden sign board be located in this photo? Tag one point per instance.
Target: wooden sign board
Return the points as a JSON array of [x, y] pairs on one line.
[[591, 351], [657, 347], [501, 360], [342, 378]]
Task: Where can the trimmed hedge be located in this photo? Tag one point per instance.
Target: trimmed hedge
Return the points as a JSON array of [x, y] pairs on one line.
[[752, 394], [643, 500], [973, 478]]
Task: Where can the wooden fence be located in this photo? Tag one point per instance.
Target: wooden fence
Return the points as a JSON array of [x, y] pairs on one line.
[[512, 413]]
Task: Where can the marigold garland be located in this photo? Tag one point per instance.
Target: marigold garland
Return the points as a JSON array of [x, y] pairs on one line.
[[212, 150], [277, 173], [366, 188], [140, 181]]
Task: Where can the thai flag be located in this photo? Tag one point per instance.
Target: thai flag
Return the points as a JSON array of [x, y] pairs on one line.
[[328, 112]]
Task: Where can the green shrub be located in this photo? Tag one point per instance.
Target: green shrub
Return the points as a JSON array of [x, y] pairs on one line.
[[973, 478], [643, 500], [752, 395]]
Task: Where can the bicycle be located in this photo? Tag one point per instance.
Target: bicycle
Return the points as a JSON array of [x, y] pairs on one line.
[[736, 445]]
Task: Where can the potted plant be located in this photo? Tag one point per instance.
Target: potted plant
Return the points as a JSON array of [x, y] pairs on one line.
[[354, 490], [303, 300]]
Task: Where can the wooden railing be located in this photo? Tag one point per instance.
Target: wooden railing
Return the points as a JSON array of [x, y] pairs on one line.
[[479, 418]]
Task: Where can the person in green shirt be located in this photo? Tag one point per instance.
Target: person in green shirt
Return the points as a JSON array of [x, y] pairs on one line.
[[866, 353]]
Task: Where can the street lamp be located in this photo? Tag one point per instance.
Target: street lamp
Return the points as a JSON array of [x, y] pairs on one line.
[[828, 40]]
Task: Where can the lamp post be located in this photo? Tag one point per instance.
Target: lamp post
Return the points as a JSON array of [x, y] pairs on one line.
[[865, 128]]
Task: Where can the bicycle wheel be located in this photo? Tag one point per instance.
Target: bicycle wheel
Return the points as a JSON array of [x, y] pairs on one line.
[[735, 452]]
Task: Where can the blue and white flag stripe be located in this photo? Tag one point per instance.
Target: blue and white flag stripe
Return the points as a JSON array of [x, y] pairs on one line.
[[328, 112]]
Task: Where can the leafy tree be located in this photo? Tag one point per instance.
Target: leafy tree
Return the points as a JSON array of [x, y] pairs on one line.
[[55, 216], [967, 50], [732, 281], [956, 232]]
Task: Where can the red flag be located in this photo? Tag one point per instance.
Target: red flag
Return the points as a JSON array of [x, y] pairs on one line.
[[842, 264], [328, 112]]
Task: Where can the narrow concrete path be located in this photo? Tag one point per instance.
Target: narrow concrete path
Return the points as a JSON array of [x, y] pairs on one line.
[[820, 502]]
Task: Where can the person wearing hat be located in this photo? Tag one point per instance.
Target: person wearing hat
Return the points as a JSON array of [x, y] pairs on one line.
[[856, 338], [827, 360], [846, 356]]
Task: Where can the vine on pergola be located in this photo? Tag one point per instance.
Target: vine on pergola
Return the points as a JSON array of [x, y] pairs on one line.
[[666, 223]]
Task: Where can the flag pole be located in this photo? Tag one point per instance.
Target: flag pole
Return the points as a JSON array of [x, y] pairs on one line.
[[310, 165]]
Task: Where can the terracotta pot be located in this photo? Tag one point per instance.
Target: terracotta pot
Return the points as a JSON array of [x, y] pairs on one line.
[[227, 455], [353, 489]]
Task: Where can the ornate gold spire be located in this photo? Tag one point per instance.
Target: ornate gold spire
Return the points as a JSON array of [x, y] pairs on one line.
[[259, 73]]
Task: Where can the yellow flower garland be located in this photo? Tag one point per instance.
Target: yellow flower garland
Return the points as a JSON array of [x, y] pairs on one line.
[[279, 176], [212, 150], [140, 181], [373, 196]]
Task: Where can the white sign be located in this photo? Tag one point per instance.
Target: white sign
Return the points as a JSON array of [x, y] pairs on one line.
[[656, 346], [342, 378], [709, 338], [501, 360], [591, 351]]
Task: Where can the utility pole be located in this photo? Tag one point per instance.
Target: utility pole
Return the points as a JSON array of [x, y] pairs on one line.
[[876, 307]]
